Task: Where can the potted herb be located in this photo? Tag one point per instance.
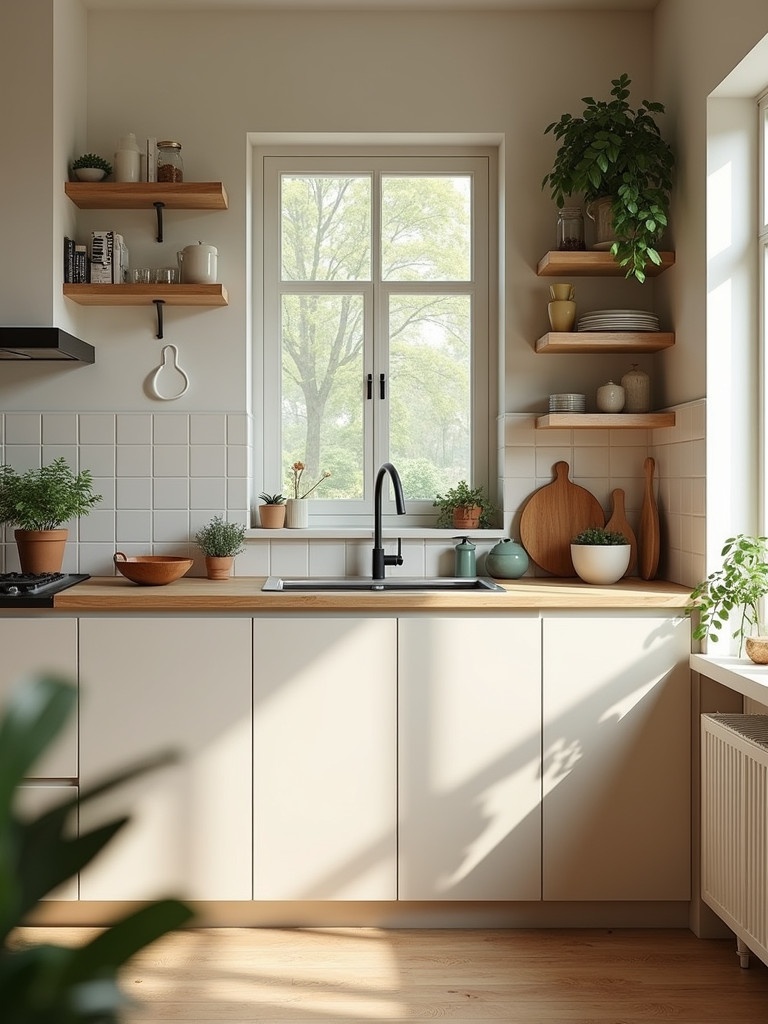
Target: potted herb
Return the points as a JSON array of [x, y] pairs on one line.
[[599, 555], [464, 508], [90, 167], [56, 983], [616, 154], [736, 588], [220, 541], [272, 512], [39, 502]]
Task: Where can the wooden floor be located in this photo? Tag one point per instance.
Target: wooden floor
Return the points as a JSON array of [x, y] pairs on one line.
[[351, 975]]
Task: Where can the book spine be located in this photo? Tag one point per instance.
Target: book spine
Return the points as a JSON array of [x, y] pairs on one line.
[[80, 270], [69, 260], [151, 158]]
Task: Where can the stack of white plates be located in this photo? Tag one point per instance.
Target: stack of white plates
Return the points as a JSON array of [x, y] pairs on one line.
[[567, 403], [618, 320]]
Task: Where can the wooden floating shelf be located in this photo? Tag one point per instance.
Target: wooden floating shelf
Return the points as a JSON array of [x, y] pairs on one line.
[[605, 341], [605, 420], [146, 294], [142, 195], [588, 263]]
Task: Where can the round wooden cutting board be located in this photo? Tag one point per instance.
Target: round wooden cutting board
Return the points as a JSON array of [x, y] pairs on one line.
[[553, 516]]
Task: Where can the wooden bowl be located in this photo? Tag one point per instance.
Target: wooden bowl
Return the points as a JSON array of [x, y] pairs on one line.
[[152, 570]]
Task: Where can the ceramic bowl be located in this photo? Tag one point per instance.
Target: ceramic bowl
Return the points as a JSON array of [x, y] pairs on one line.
[[600, 563], [89, 173], [152, 570]]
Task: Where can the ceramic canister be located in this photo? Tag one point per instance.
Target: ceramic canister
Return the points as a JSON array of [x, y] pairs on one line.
[[198, 264], [610, 397], [506, 560]]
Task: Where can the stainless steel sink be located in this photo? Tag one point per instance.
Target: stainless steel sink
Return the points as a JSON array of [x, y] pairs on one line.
[[397, 583]]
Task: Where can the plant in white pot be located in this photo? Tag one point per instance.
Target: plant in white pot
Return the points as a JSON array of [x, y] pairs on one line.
[[220, 541], [39, 502], [90, 167], [600, 556], [735, 590]]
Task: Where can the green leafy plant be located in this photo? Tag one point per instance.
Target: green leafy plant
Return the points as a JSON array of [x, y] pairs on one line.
[[50, 984], [45, 498], [740, 583], [613, 150], [272, 499], [598, 535], [91, 160], [221, 539], [463, 496]]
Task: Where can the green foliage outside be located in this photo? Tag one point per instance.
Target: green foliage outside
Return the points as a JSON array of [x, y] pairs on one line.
[[46, 983], [45, 498]]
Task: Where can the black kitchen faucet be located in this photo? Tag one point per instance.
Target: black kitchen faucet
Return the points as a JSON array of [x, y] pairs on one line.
[[380, 560]]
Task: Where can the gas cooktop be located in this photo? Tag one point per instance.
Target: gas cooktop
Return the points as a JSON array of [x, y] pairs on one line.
[[28, 589]]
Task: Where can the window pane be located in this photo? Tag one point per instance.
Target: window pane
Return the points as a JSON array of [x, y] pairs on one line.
[[325, 228], [322, 407], [426, 228], [430, 393]]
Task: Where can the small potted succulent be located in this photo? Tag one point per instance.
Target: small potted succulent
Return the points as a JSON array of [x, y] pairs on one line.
[[600, 555], [220, 541], [272, 512], [464, 508], [90, 167], [736, 588]]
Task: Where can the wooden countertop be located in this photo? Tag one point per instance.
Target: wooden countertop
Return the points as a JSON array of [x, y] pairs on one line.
[[244, 594]]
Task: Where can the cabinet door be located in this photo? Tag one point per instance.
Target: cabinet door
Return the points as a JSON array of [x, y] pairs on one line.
[[34, 800], [470, 750], [616, 758], [34, 645], [150, 684], [325, 783]]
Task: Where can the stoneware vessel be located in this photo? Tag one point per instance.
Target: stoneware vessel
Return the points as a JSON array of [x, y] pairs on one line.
[[151, 570], [562, 314], [506, 560], [296, 514], [610, 397], [272, 517]]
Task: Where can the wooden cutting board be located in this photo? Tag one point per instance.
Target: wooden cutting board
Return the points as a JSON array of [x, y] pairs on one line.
[[648, 533], [618, 523], [553, 516]]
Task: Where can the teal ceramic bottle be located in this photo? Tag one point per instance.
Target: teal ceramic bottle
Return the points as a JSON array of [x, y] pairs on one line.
[[506, 560], [466, 564]]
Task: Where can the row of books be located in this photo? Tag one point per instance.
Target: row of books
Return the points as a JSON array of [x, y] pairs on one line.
[[107, 264]]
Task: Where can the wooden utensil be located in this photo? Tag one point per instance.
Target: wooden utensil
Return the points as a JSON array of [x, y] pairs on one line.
[[552, 517], [648, 534], [618, 523]]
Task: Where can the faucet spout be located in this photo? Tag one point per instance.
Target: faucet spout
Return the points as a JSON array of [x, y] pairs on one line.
[[380, 560]]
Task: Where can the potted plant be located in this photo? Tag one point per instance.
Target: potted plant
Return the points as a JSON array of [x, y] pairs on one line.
[[220, 541], [272, 512], [737, 587], [90, 167], [43, 984], [464, 508], [616, 154], [297, 512], [600, 555], [39, 502]]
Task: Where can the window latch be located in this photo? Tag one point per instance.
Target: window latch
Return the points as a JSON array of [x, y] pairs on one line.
[[369, 385], [382, 385]]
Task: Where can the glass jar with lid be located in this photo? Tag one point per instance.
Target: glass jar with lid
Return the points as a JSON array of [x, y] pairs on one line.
[[170, 166], [570, 229]]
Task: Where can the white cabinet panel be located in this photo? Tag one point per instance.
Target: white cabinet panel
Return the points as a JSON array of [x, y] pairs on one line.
[[34, 800], [616, 758], [325, 782], [34, 645], [181, 683], [470, 751]]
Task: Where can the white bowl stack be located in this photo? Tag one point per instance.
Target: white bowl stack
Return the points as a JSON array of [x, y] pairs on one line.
[[567, 403]]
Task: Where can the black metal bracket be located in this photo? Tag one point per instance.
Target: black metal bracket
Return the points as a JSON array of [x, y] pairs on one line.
[[159, 210], [159, 303]]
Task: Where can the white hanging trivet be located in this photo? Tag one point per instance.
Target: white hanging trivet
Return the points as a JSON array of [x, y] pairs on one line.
[[175, 361]]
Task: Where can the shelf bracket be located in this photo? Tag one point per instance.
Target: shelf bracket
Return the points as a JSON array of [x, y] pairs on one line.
[[159, 303], [159, 210]]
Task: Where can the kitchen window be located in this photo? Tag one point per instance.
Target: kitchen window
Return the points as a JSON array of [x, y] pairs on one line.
[[763, 254], [375, 297]]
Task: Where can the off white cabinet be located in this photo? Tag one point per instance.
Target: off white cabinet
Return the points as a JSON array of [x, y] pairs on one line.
[[184, 683], [32, 645], [469, 757], [616, 807], [325, 772]]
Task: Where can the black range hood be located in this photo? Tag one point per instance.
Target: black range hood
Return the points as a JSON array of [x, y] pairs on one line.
[[51, 343]]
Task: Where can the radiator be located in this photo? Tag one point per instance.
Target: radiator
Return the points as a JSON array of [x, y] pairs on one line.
[[734, 827]]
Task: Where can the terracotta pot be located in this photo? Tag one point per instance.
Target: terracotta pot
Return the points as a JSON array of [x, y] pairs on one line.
[[41, 550], [467, 517], [219, 568], [272, 516]]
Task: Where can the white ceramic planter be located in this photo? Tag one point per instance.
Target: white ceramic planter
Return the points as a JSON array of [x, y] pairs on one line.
[[600, 563], [296, 513]]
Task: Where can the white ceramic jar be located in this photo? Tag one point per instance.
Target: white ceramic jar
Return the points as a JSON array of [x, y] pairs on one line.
[[198, 264], [128, 159], [610, 397], [637, 390]]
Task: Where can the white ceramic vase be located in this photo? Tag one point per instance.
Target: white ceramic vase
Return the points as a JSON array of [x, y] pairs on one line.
[[600, 563], [296, 513]]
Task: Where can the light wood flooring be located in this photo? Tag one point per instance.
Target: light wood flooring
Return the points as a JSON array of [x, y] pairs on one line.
[[359, 975]]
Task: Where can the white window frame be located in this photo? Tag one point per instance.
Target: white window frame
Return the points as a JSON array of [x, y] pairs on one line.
[[271, 160], [762, 248]]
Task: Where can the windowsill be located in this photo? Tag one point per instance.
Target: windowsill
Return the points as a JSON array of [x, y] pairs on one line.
[[366, 533], [739, 674]]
